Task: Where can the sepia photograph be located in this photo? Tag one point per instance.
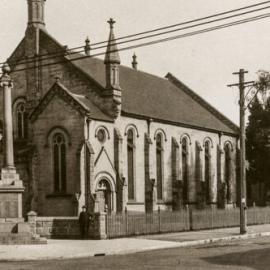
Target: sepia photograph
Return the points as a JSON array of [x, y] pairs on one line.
[[134, 134]]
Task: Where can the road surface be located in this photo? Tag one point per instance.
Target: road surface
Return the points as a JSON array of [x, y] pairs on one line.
[[236, 255]]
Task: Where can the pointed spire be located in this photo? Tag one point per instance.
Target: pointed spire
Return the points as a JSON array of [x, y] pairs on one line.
[[112, 55], [134, 62], [87, 47]]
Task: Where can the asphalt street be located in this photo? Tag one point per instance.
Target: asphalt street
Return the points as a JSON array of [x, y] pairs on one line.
[[236, 255]]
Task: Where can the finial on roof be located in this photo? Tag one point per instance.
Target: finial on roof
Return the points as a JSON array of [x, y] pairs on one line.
[[134, 62], [111, 22], [112, 55], [87, 47], [6, 69], [65, 48], [57, 78]]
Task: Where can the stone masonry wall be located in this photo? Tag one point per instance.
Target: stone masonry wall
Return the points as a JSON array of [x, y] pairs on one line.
[[58, 116], [194, 137]]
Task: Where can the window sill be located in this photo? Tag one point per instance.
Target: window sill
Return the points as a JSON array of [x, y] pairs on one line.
[[135, 203], [160, 202], [59, 195]]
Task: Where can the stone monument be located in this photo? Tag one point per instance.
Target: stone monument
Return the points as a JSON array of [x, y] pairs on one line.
[[11, 187], [13, 229]]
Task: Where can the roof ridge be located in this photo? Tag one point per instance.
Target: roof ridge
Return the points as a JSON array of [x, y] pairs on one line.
[[201, 101], [121, 65], [79, 95]]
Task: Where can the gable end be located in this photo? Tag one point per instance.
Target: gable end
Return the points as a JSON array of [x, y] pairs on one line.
[[202, 102]]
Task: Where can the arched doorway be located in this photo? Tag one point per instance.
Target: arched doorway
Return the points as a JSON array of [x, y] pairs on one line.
[[104, 196]]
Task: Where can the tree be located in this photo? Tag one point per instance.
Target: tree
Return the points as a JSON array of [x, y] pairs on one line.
[[258, 139]]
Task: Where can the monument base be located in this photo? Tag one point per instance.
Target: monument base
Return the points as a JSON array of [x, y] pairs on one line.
[[13, 229], [11, 189]]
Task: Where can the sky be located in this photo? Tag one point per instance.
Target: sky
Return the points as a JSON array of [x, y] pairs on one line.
[[203, 62]]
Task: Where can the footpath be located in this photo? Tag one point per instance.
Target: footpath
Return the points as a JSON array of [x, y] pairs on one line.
[[64, 249]]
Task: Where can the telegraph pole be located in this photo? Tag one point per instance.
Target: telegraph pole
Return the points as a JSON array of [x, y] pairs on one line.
[[243, 207]]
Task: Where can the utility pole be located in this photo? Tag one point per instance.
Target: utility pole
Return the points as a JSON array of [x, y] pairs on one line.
[[243, 207]]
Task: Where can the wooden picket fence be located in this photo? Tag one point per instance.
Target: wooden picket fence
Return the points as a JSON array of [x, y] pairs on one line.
[[130, 224]]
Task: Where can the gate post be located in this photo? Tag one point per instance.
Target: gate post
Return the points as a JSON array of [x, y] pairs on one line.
[[32, 221], [100, 231]]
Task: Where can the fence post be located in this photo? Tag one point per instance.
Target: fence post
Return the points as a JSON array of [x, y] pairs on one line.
[[126, 220], [212, 217], [159, 229], [190, 219], [254, 215], [187, 222], [32, 221], [100, 226]]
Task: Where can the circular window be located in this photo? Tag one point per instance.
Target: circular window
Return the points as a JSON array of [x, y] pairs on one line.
[[101, 136]]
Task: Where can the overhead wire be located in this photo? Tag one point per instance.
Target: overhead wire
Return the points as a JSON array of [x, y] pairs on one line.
[[146, 37], [71, 50], [210, 29]]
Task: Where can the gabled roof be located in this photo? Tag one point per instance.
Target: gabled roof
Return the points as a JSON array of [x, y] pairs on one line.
[[164, 99], [79, 102], [147, 96], [17, 54]]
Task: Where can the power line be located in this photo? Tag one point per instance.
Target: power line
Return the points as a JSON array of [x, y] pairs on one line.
[[206, 30], [153, 35], [188, 27], [151, 31]]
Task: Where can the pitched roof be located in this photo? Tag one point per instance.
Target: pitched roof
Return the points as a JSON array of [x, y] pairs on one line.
[[146, 95], [80, 102], [160, 98]]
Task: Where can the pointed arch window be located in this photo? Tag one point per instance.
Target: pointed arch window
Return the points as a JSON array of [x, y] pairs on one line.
[[59, 162], [22, 120], [207, 170], [227, 170], [130, 164], [159, 166], [185, 168]]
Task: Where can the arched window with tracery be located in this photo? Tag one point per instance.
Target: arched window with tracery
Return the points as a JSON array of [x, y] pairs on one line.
[[22, 120], [207, 170], [159, 166], [185, 169], [130, 163], [59, 162]]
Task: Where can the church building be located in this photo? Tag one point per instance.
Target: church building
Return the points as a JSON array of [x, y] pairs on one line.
[[90, 131]]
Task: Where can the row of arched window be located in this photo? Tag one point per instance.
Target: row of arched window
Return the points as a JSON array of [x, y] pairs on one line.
[[159, 143], [59, 158], [131, 165]]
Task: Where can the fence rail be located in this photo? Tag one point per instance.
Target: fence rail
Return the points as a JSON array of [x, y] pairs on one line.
[[146, 223], [129, 224]]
